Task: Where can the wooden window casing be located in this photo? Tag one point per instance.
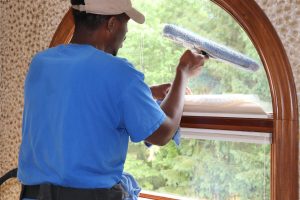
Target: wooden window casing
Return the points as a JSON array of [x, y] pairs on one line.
[[283, 125]]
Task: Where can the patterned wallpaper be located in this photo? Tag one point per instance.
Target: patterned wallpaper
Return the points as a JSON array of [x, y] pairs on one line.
[[27, 26], [285, 17]]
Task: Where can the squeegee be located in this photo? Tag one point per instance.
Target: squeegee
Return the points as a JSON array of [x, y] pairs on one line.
[[204, 46]]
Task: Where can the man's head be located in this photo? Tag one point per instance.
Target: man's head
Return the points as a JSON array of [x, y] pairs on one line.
[[103, 23]]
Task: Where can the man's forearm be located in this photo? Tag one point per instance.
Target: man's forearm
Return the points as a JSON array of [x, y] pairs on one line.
[[189, 65], [174, 101], [172, 105]]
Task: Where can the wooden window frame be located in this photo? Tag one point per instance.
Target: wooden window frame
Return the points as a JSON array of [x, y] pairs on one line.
[[285, 122]]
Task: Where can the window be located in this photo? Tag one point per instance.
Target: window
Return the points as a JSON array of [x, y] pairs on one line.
[[158, 57], [202, 167], [284, 122]]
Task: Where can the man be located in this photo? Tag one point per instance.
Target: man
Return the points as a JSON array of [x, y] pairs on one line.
[[82, 103]]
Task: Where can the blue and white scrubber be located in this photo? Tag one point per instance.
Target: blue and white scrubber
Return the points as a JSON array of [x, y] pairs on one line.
[[214, 50]]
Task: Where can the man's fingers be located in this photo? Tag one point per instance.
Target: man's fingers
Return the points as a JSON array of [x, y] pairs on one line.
[[168, 85], [188, 91]]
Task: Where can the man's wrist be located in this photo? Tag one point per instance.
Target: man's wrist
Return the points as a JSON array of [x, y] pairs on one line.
[[182, 74]]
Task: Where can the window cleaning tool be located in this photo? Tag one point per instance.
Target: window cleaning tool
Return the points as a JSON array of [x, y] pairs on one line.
[[204, 46]]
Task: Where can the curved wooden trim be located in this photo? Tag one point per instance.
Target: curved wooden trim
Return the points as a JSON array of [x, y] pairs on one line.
[[260, 30], [65, 30], [284, 156], [284, 161]]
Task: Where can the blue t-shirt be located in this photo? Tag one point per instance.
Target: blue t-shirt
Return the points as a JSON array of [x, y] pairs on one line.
[[81, 105]]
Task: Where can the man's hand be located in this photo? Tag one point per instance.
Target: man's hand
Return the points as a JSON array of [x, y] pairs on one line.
[[188, 91], [159, 92], [191, 63]]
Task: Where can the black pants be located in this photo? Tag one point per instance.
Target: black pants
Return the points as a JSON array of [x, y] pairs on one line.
[[51, 192]]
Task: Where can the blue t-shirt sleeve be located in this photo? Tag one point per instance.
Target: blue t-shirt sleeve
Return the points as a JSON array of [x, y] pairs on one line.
[[140, 114]]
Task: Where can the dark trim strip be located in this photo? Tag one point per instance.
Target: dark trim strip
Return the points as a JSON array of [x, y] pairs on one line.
[[228, 123]]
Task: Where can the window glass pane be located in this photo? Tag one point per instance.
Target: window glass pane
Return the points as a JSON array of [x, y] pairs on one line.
[[203, 169], [158, 57], [199, 169]]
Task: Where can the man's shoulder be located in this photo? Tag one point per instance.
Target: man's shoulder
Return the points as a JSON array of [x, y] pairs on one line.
[[114, 60], [44, 53], [123, 66], [122, 62]]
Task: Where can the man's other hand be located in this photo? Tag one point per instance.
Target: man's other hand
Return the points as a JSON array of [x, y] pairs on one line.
[[159, 92]]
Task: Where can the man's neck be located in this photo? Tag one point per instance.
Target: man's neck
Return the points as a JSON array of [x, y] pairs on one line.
[[87, 37]]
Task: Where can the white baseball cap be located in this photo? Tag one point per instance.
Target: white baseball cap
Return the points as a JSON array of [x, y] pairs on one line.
[[111, 7]]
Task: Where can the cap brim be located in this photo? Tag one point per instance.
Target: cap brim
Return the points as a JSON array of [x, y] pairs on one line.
[[136, 16]]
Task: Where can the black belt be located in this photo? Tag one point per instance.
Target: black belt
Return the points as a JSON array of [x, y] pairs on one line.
[[53, 192]]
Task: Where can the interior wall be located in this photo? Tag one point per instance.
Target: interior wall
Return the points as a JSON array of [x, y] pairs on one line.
[[285, 17], [27, 27]]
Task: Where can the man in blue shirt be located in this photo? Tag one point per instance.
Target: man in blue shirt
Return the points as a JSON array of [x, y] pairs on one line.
[[82, 104]]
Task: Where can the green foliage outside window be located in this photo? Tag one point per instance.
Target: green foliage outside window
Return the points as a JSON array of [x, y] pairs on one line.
[[157, 57], [197, 169], [203, 170]]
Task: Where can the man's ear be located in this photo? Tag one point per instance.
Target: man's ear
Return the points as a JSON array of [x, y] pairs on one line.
[[111, 24]]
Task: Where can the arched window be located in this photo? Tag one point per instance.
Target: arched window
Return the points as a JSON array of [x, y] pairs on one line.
[[211, 162], [283, 124]]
